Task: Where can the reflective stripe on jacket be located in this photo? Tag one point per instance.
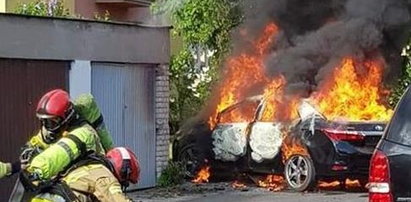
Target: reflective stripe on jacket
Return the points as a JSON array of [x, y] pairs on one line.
[[59, 155]]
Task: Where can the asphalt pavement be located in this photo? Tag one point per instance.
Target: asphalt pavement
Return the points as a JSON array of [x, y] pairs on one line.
[[280, 196], [224, 192]]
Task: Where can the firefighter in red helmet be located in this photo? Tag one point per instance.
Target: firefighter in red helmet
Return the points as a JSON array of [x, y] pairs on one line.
[[64, 144], [125, 165], [122, 163]]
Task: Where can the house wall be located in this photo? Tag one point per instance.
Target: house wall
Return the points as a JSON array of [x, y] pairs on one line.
[[118, 12], [162, 98], [89, 9]]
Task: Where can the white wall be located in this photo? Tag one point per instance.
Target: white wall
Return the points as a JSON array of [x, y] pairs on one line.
[[80, 78], [2, 6]]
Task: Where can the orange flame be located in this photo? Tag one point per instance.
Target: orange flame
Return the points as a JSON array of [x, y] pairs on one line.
[[270, 94], [202, 175], [245, 113], [273, 183], [328, 185], [266, 39], [354, 95], [290, 148], [352, 183], [243, 73], [349, 184]]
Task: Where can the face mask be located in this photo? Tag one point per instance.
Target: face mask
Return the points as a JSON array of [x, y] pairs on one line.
[[48, 136], [51, 124]]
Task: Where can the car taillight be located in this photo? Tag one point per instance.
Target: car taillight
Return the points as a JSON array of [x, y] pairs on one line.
[[343, 135], [379, 179]]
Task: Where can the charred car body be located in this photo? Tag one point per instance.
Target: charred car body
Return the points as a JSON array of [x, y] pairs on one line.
[[311, 148]]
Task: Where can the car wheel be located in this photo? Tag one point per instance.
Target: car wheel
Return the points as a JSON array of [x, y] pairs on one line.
[[191, 160], [299, 173]]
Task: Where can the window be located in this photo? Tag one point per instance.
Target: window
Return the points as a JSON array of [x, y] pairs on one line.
[[241, 112], [399, 129]]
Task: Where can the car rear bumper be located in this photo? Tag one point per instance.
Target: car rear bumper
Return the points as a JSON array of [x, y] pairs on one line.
[[346, 166]]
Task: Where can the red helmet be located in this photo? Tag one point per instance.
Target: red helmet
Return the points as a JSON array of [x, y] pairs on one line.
[[125, 164], [54, 110]]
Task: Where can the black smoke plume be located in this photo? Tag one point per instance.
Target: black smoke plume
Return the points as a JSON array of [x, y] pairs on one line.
[[317, 34]]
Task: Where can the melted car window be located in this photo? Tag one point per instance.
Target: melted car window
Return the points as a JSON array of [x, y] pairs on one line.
[[400, 126], [243, 112]]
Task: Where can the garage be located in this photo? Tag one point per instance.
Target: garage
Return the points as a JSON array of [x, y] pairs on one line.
[[22, 83], [126, 98], [125, 66]]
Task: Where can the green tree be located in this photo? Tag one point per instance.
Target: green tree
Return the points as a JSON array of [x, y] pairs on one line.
[[207, 23], [405, 80], [204, 27]]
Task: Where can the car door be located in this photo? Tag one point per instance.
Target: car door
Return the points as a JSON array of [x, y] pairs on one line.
[[230, 134], [265, 137]]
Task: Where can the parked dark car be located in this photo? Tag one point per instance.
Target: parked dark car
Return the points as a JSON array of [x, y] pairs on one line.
[[334, 150], [390, 169]]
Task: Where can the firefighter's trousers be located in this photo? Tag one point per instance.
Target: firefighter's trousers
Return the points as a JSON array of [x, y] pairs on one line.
[[95, 180]]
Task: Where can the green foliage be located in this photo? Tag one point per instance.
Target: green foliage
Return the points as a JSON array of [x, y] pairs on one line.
[[43, 8], [165, 7], [207, 23], [398, 89], [180, 93], [189, 88], [204, 26], [172, 175]]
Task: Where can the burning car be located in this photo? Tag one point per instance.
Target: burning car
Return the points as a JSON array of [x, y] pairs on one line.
[[306, 150], [325, 131]]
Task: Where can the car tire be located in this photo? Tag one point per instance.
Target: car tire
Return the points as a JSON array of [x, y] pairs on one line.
[[190, 157], [299, 173]]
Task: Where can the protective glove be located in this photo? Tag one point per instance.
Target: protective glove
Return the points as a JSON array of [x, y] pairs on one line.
[[27, 154], [5, 169]]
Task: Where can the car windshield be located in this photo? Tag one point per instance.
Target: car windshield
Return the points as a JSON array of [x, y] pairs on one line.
[[399, 130]]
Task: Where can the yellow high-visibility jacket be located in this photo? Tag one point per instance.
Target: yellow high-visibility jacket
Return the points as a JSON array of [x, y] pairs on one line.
[[56, 157]]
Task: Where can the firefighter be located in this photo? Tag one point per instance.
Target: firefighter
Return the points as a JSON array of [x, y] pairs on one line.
[[98, 179], [65, 139]]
